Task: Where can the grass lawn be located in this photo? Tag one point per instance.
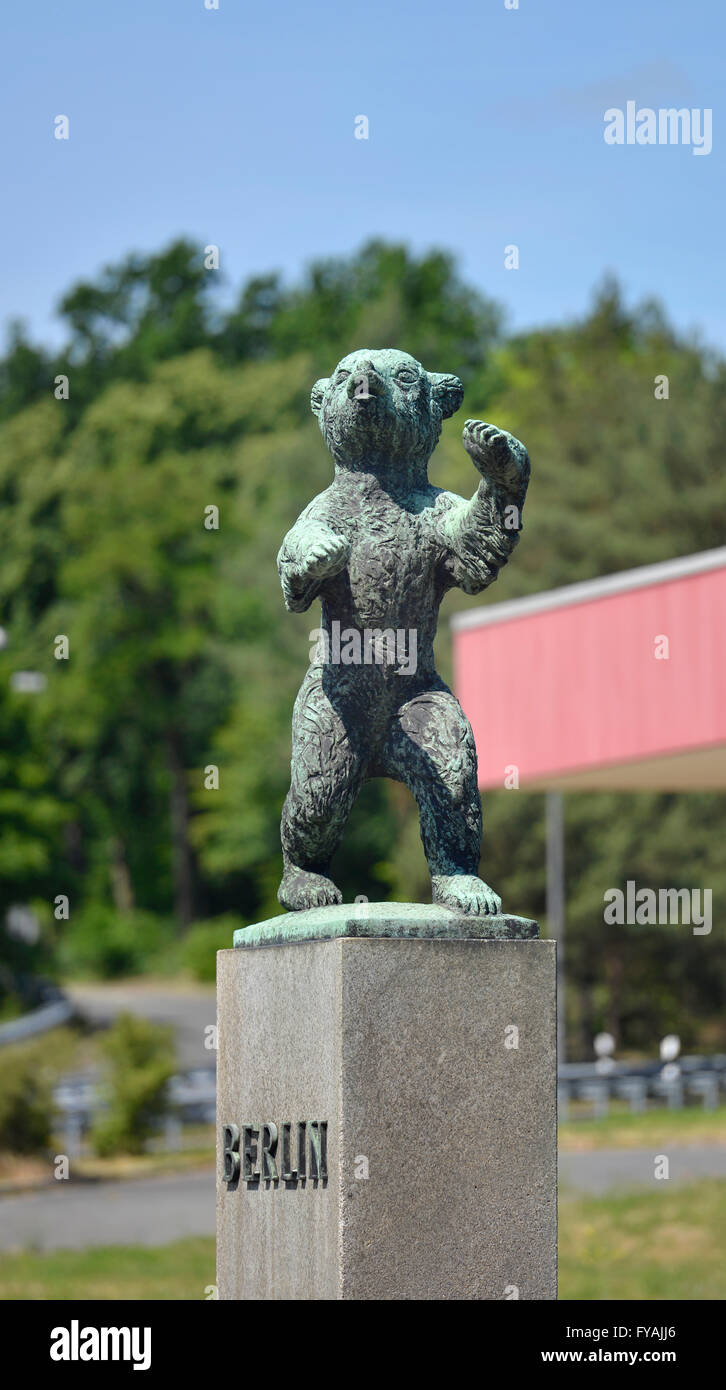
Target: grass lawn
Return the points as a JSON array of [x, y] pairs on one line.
[[621, 1130], [654, 1245], [179, 1271], [651, 1245]]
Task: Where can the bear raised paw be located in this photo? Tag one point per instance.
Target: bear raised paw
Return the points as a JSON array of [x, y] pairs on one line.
[[380, 548]]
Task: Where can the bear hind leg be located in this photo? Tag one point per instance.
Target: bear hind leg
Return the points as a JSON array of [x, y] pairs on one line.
[[431, 749], [327, 773]]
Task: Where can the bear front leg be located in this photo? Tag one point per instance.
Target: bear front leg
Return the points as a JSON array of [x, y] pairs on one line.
[[327, 772], [499, 457], [480, 535], [431, 749], [310, 553]]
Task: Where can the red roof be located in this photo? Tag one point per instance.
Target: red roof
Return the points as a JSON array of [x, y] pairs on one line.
[[616, 683]]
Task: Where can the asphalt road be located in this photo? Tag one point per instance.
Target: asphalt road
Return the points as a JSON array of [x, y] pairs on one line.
[[141, 1211], [155, 1211], [190, 1009], [603, 1170]]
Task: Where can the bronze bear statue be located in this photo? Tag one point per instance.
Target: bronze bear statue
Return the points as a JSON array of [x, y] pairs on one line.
[[380, 547]]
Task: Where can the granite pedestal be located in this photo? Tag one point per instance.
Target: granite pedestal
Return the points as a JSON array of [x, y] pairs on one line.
[[387, 1109]]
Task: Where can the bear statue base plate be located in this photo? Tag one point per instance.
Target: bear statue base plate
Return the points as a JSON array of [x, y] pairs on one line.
[[406, 920]]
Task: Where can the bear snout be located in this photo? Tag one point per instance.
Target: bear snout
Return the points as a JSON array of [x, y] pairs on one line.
[[365, 382]]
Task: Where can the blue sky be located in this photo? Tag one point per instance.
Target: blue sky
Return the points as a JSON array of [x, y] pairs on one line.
[[236, 127]]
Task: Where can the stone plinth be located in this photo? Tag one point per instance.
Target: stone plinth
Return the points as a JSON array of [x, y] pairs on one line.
[[414, 1081]]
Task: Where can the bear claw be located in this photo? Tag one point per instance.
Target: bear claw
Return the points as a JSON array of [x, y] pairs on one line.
[[466, 893], [301, 889]]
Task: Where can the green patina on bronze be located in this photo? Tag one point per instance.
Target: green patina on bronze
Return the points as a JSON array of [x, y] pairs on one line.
[[403, 920], [380, 548]]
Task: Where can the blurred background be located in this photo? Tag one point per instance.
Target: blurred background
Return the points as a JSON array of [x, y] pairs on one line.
[[210, 238]]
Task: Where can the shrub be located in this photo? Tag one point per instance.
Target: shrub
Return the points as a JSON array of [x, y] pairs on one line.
[[141, 1061], [26, 1101], [103, 944], [203, 940]]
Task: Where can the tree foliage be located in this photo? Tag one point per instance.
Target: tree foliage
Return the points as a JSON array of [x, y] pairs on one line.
[[182, 659]]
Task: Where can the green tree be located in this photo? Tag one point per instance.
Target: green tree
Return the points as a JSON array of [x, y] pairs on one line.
[[181, 653]]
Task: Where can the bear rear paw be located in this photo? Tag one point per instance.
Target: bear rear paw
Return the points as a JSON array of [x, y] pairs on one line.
[[465, 893], [301, 889]]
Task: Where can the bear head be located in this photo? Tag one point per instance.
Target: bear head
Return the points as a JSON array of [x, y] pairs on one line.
[[381, 412]]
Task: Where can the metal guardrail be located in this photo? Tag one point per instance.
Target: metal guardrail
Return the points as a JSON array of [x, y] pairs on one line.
[[575, 1071], [697, 1078], [193, 1097], [38, 1021], [193, 1094]]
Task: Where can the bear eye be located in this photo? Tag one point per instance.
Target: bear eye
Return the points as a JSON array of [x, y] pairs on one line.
[[341, 376], [406, 376]]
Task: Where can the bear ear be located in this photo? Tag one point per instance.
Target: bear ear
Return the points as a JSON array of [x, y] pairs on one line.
[[317, 393], [447, 391]]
